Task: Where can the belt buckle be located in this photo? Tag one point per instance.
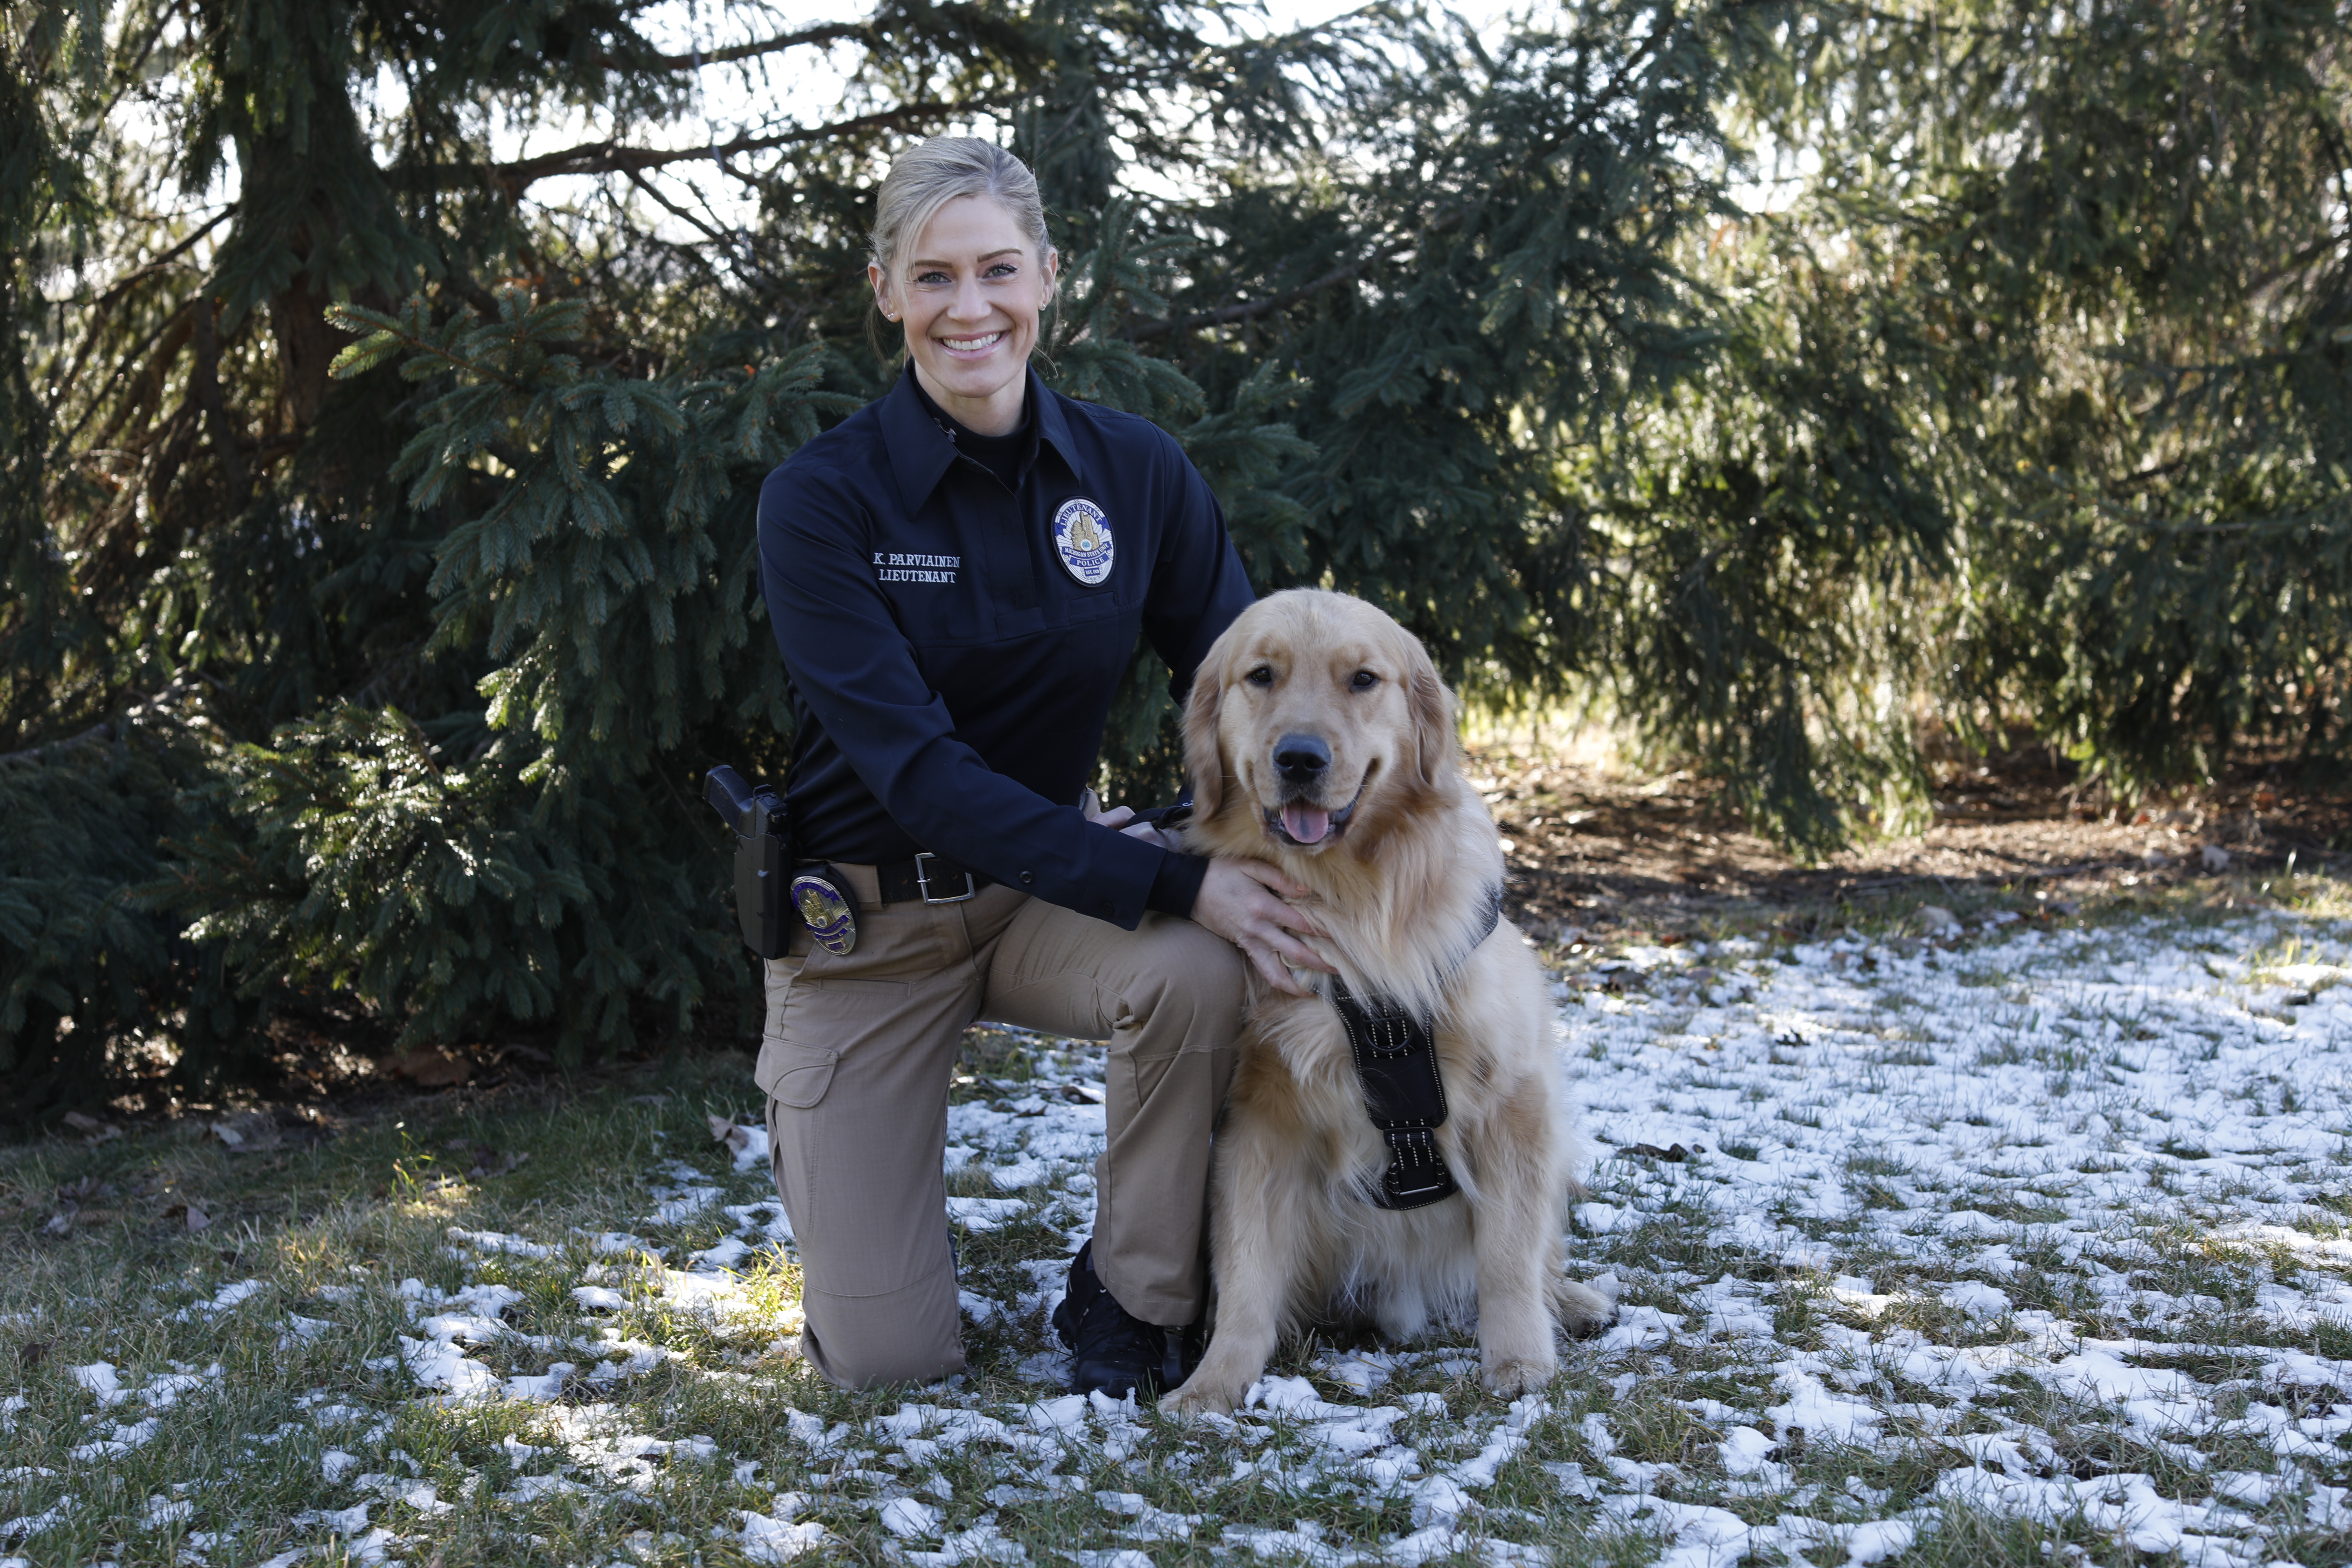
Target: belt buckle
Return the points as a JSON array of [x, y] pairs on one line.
[[923, 883]]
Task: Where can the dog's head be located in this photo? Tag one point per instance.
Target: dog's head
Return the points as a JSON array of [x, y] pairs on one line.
[[1315, 715]]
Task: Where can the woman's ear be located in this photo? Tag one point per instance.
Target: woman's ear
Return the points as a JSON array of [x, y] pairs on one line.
[[883, 300], [1204, 763]]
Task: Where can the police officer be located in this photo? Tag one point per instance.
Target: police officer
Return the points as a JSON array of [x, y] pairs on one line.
[[957, 575]]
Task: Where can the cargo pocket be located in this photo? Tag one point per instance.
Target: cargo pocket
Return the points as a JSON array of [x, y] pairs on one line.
[[815, 1020], [796, 1073]]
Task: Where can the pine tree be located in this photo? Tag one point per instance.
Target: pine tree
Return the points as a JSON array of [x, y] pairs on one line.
[[2112, 248], [406, 521], [379, 544]]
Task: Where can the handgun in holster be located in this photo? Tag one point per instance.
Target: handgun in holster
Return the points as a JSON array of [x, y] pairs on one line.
[[763, 858]]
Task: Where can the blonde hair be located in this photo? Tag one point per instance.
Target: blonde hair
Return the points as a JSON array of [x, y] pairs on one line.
[[928, 175]]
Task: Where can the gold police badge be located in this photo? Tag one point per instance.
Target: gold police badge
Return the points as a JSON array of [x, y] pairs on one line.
[[830, 918], [1082, 539]]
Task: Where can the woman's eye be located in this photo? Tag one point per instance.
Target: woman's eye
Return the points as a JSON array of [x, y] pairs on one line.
[[1002, 270], [1363, 680], [1262, 676], [927, 279]]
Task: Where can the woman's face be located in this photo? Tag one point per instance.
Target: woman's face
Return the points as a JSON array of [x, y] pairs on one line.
[[969, 291]]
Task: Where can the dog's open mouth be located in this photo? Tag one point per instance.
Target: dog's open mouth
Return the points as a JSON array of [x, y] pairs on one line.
[[1305, 826]]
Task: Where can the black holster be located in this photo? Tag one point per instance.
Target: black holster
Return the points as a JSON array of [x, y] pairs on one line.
[[763, 858]]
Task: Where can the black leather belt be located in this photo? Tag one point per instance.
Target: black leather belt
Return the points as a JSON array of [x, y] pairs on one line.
[[928, 879]]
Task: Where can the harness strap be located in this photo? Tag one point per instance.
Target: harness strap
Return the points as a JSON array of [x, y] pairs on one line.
[[1395, 1054]]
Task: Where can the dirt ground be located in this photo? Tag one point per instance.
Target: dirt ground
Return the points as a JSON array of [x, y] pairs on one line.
[[1594, 850]]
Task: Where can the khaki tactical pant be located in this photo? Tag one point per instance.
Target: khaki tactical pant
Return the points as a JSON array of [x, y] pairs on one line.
[[855, 1064]]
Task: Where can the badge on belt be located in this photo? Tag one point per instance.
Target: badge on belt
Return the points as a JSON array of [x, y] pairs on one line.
[[830, 917]]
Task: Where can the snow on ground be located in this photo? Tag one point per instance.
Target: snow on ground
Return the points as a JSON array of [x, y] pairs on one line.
[[1961, 1202]]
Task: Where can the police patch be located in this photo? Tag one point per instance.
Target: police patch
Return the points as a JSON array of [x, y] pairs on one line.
[[1082, 539], [828, 915]]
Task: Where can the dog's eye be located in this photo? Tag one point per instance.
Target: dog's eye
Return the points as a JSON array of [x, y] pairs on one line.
[[1363, 680], [1262, 676]]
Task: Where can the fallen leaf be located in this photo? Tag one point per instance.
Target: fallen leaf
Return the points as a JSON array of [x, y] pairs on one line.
[[29, 1353], [723, 1130], [226, 1134], [433, 1067], [197, 1219], [97, 1132]]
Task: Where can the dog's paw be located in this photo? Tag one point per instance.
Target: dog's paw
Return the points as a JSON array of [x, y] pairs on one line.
[[1202, 1396], [1509, 1377], [1583, 1311]]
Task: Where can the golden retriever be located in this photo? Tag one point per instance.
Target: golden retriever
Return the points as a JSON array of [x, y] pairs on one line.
[[1319, 738]]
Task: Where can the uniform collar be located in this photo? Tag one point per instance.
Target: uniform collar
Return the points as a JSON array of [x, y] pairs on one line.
[[920, 452]]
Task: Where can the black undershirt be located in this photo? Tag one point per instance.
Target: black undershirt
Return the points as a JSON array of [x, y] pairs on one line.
[[1004, 456], [1007, 457]]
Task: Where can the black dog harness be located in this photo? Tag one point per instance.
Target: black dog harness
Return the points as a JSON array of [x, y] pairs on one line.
[[1396, 1061]]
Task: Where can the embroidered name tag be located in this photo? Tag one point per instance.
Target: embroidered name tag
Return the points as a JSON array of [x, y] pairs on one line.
[[1082, 539], [890, 566]]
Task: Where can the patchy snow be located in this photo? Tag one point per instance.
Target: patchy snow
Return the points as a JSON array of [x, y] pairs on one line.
[[225, 1299], [1974, 1202]]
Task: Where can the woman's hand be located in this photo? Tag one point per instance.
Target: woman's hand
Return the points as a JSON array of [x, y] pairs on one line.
[[1241, 900], [1122, 817]]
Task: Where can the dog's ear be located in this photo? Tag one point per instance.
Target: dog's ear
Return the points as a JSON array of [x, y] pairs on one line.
[[1202, 764], [1431, 706]]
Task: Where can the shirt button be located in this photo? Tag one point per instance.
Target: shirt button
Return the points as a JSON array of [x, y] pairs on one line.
[[1027, 878]]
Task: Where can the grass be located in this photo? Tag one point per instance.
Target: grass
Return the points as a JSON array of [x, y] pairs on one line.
[[279, 1413]]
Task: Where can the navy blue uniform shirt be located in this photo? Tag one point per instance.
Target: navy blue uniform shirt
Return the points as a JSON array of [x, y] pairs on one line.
[[954, 646]]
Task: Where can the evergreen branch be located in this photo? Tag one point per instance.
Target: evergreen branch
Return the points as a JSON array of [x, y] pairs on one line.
[[48, 750], [173, 326], [827, 33], [131, 279], [1251, 309], [610, 157], [653, 192], [102, 308]]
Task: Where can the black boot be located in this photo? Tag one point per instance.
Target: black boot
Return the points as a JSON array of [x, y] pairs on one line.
[[1110, 1348]]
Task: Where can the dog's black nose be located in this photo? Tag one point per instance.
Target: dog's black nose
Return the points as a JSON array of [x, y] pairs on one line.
[[1301, 759]]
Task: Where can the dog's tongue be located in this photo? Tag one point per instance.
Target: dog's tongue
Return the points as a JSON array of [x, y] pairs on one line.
[[1307, 823]]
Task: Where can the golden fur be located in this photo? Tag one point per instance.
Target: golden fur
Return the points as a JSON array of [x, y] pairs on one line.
[[1400, 891]]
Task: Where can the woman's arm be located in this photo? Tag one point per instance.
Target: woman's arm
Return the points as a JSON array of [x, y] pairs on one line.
[[1243, 902], [857, 674]]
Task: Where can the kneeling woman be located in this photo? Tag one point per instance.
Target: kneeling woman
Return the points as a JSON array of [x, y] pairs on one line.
[[957, 575]]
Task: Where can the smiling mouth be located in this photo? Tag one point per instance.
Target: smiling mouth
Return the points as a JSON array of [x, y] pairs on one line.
[[979, 345], [1305, 826]]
